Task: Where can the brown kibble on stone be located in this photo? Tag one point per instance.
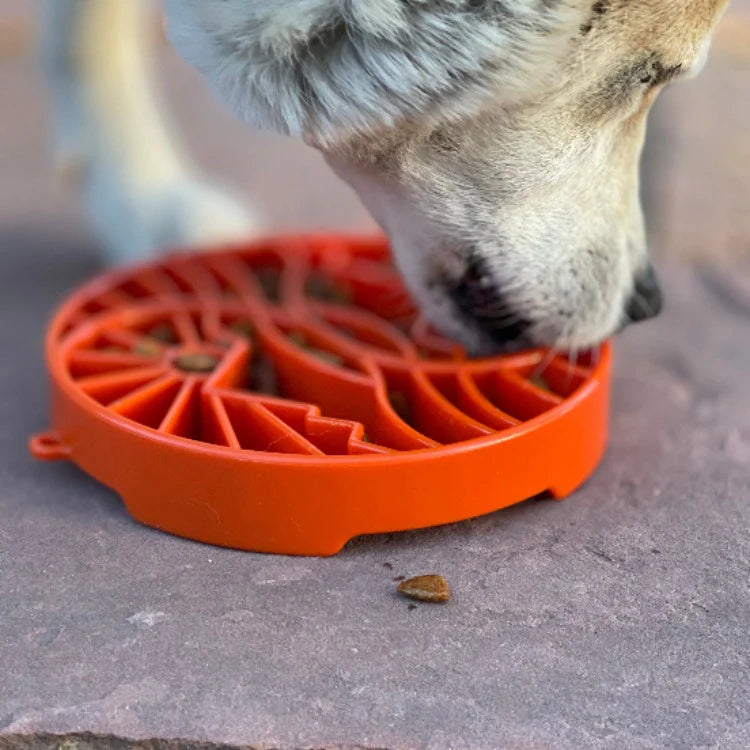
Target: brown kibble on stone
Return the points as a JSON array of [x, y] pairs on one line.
[[197, 362], [429, 588]]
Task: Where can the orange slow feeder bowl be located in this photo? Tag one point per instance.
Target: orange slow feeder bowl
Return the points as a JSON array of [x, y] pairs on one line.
[[285, 397]]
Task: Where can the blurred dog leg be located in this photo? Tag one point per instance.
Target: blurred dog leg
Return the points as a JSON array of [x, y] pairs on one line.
[[112, 141]]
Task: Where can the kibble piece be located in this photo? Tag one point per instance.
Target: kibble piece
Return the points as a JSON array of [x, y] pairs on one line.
[[197, 362], [329, 358], [244, 328], [163, 332], [323, 288], [540, 382], [428, 588], [146, 348], [299, 339]]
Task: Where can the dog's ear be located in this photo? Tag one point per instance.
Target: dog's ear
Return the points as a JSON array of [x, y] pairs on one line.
[[326, 70]]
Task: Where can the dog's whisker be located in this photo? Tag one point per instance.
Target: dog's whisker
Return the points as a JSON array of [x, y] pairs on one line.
[[572, 359], [552, 352], [596, 354]]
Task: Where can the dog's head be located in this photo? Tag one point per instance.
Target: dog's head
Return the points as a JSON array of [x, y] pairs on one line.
[[496, 141]]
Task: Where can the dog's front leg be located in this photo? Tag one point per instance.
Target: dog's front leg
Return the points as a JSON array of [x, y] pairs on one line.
[[112, 142]]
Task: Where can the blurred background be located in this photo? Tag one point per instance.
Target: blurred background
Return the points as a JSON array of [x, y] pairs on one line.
[[696, 171]]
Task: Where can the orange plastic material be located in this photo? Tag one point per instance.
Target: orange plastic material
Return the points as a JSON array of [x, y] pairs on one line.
[[284, 396]]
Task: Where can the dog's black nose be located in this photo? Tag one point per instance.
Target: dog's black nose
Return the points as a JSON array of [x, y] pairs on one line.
[[478, 298], [646, 300]]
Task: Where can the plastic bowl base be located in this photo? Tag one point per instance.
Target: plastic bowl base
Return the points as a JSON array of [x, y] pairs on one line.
[[285, 396]]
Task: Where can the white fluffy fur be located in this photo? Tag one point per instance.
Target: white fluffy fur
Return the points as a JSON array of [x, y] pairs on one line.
[[325, 69]]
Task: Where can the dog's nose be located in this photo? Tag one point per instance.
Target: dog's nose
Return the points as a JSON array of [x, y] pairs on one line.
[[477, 296], [646, 301]]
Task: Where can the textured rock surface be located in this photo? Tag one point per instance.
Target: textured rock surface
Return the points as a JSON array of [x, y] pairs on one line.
[[617, 619]]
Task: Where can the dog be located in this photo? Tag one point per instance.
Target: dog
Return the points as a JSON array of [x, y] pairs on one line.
[[497, 142]]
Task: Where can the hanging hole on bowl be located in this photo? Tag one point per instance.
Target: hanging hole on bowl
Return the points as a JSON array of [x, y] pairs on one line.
[[48, 447]]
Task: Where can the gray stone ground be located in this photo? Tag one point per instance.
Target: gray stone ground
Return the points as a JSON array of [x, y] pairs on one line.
[[617, 619]]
